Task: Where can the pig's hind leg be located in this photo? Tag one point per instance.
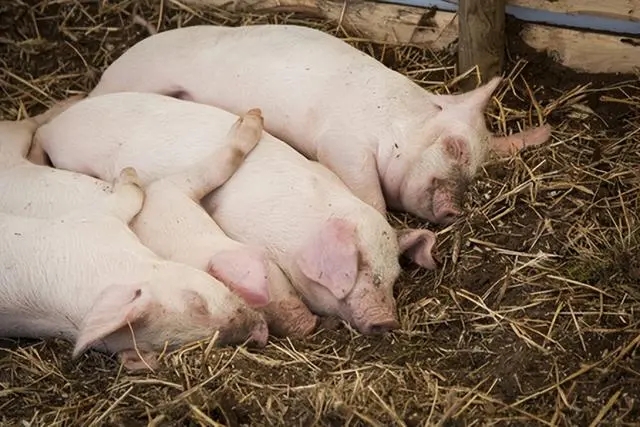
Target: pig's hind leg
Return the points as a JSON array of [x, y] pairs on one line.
[[356, 167], [127, 197], [213, 171]]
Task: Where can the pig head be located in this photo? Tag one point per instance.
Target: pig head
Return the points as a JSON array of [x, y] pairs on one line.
[[335, 276], [430, 174]]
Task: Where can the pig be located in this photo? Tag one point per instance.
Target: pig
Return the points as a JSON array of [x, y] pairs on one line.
[[394, 144], [340, 253], [172, 223], [84, 276]]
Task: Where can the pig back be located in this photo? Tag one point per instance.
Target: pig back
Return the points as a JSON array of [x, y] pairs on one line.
[[155, 134], [52, 267], [304, 80], [43, 192]]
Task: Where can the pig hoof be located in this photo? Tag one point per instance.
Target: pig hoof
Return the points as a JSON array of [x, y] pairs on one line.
[[127, 176], [255, 114]]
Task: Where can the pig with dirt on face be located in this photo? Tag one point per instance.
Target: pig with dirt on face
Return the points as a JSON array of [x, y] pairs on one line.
[[85, 276], [392, 143], [340, 253], [171, 223]]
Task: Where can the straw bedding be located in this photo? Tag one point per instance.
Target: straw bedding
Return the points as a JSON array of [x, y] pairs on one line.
[[533, 319]]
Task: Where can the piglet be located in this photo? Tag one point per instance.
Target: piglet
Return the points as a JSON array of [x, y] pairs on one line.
[[86, 277], [393, 143], [340, 253], [172, 223]]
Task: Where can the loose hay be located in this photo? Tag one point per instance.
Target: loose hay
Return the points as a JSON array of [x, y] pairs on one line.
[[531, 321]]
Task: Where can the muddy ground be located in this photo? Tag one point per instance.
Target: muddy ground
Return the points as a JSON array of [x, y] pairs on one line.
[[532, 320]]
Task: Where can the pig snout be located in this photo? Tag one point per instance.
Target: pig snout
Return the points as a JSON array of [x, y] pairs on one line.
[[374, 315], [245, 325], [445, 210], [381, 327]]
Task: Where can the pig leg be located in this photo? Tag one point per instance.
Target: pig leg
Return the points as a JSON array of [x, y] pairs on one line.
[[512, 144], [127, 197], [360, 176], [215, 170]]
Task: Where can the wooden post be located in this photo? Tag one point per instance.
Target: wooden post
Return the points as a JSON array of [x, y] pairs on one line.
[[481, 30]]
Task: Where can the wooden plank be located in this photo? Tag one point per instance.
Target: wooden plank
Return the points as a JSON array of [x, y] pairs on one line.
[[380, 22], [387, 23], [481, 27], [620, 9], [589, 52]]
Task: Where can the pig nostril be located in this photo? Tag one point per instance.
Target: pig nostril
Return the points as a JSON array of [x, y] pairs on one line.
[[259, 335], [449, 216], [383, 327]]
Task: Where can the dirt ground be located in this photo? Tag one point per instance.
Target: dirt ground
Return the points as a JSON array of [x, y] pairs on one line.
[[532, 320]]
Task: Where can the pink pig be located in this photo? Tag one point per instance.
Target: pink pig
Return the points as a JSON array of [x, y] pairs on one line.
[[172, 223], [84, 275], [340, 253], [382, 134]]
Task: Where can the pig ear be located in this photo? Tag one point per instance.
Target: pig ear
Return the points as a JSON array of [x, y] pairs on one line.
[[331, 259], [419, 246], [243, 271], [476, 99], [115, 308]]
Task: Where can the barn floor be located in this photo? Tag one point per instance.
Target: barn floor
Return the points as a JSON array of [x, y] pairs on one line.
[[533, 319]]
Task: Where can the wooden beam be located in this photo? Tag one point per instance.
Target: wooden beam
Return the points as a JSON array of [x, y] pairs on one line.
[[379, 22], [620, 9], [393, 24], [481, 27], [584, 51]]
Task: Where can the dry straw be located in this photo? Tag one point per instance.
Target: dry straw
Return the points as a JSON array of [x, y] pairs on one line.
[[531, 321]]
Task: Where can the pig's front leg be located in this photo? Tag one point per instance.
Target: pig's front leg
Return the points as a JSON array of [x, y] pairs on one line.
[[512, 144], [356, 166], [127, 197], [213, 171]]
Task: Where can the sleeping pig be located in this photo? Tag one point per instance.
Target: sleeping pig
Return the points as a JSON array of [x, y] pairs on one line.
[[340, 253], [382, 134], [172, 223], [85, 276]]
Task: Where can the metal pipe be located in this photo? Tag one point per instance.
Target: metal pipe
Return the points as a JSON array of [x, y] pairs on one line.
[[572, 20]]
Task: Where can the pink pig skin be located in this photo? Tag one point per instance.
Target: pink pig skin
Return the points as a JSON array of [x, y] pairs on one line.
[[340, 253], [173, 224], [383, 135], [83, 274]]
